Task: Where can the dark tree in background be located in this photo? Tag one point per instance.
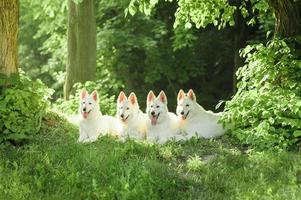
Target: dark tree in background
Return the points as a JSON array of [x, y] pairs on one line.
[[9, 27], [81, 42], [241, 33]]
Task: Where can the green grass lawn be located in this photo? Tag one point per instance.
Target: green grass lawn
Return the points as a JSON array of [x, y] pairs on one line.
[[55, 166]]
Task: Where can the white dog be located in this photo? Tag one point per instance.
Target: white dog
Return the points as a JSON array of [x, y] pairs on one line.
[[93, 123], [163, 125], [133, 120], [196, 121]]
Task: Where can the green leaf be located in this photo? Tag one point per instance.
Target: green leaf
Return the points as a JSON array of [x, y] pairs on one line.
[[132, 9], [297, 133]]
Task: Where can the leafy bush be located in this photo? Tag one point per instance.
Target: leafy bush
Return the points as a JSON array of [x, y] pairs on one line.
[[266, 110], [107, 104], [22, 105]]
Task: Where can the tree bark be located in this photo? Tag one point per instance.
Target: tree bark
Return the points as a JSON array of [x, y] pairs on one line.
[[288, 17], [81, 44], [9, 27]]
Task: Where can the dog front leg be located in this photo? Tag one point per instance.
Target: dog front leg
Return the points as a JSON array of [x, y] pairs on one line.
[[83, 136]]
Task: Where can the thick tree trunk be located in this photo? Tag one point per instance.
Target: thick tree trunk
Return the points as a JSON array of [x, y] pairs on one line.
[[288, 17], [9, 27], [81, 58]]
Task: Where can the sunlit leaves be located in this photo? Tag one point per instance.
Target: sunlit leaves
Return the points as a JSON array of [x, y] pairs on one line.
[[266, 110], [43, 39], [202, 13], [143, 6]]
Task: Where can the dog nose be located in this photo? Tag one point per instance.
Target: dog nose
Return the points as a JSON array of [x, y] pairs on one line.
[[122, 115], [182, 113], [84, 109], [153, 113]]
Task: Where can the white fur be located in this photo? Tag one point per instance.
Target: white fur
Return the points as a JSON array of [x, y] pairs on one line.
[[95, 124], [196, 121], [133, 120], [167, 123]]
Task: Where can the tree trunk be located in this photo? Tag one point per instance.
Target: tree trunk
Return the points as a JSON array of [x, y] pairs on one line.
[[240, 40], [81, 42], [288, 17], [9, 27]]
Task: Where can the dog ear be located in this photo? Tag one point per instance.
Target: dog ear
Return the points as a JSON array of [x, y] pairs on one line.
[[162, 97], [150, 97], [133, 98], [83, 94], [121, 97], [191, 95], [181, 94], [94, 95]]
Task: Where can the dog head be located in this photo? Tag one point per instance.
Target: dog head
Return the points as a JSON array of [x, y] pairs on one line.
[[88, 104], [186, 104], [127, 107], [156, 107]]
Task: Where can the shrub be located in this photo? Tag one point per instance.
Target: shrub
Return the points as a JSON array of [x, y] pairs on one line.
[[266, 110], [22, 105], [107, 104]]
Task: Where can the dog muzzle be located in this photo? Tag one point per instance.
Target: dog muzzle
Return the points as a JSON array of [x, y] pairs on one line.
[[85, 114], [185, 116], [154, 119], [124, 119]]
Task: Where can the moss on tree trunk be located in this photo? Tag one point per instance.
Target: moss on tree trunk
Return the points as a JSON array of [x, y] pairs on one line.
[[81, 58], [9, 27]]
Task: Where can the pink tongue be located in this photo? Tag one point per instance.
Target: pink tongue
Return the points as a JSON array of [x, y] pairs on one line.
[[85, 114], [154, 120]]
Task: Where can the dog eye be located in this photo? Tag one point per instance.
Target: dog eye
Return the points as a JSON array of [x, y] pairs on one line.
[[127, 108], [187, 105], [121, 107], [157, 106], [90, 103], [152, 106]]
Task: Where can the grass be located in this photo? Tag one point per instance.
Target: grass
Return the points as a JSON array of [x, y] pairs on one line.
[[55, 166]]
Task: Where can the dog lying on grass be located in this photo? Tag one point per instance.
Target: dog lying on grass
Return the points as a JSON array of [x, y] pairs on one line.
[[133, 120], [162, 125], [92, 123], [196, 121], [158, 125]]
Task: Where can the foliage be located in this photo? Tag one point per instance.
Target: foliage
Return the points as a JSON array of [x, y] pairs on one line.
[[43, 41], [129, 55], [202, 13], [43, 44], [55, 166], [157, 59], [106, 102], [22, 105], [266, 110]]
